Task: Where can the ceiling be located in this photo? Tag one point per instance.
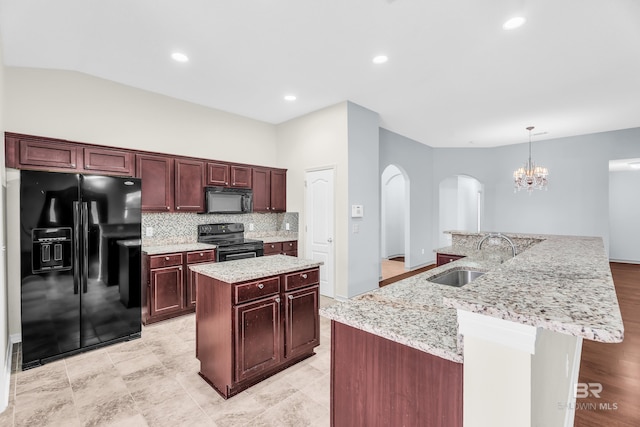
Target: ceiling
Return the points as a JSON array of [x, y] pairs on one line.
[[454, 78]]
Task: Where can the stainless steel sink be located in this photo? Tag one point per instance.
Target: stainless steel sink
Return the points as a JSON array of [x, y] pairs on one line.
[[456, 277]]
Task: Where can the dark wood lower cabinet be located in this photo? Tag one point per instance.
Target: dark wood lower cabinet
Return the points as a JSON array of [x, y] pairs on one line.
[[442, 259], [170, 286], [248, 331], [378, 382]]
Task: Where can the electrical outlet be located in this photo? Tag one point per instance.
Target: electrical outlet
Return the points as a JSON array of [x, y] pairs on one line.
[[423, 251], [287, 227], [149, 231], [251, 227]]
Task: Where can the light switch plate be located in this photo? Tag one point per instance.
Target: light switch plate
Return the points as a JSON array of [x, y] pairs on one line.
[[357, 211]]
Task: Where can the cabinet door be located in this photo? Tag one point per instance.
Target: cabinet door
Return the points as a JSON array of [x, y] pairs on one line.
[[48, 154], [156, 173], [302, 322], [290, 248], [240, 176], [196, 257], [189, 196], [442, 259], [218, 174], [167, 291], [257, 337], [272, 248], [109, 161], [278, 191], [261, 190]]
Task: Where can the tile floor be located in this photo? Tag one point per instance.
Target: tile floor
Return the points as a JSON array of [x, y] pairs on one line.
[[154, 381]]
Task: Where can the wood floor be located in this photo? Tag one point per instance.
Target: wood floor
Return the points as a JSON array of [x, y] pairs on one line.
[[615, 366], [393, 271]]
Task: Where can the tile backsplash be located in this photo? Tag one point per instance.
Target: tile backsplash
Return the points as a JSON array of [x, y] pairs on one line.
[[171, 228]]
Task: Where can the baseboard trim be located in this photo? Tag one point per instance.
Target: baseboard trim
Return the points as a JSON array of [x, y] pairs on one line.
[[6, 385]]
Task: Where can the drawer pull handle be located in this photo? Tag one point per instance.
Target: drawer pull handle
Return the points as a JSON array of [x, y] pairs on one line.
[[273, 246], [277, 299], [261, 286], [304, 276], [180, 268], [290, 296], [201, 254], [166, 258]]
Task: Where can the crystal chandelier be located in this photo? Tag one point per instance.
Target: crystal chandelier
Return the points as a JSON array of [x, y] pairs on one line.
[[530, 177]]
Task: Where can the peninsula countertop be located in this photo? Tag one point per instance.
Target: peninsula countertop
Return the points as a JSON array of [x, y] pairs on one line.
[[561, 283], [254, 268]]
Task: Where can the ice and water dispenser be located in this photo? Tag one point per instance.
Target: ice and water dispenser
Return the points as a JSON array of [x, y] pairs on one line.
[[52, 249]]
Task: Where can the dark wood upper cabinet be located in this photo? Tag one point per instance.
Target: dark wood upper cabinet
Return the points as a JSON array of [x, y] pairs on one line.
[[108, 161], [189, 185], [269, 190], [156, 173], [217, 174], [261, 190], [240, 176], [278, 191], [48, 154]]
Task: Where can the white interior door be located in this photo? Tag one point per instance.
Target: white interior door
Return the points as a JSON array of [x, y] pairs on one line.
[[319, 225]]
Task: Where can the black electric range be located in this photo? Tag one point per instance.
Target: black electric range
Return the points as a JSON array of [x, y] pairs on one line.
[[230, 241]]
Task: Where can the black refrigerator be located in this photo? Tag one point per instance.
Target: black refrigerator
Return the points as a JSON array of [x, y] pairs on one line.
[[80, 263]]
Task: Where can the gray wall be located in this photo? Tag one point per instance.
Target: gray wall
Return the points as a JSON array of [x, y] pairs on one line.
[[416, 160], [624, 215], [576, 203], [364, 189]]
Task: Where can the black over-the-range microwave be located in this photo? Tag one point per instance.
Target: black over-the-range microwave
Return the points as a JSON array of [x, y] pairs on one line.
[[228, 200]]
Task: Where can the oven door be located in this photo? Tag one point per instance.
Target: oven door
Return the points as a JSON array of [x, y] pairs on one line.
[[231, 253]]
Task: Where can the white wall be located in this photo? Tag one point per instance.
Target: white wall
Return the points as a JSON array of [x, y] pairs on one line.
[[364, 189], [317, 140], [448, 209], [79, 107], [5, 344], [624, 215], [468, 189], [392, 212]]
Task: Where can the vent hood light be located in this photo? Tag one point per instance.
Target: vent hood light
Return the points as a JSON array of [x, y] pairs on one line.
[[514, 23]]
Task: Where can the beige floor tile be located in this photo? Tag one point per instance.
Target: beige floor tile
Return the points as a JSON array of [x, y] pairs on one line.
[[137, 420], [92, 361], [236, 411], [199, 390], [127, 350], [46, 376], [180, 411], [272, 390], [157, 392], [141, 371], [320, 391], [97, 387], [295, 411], [108, 412], [46, 408]]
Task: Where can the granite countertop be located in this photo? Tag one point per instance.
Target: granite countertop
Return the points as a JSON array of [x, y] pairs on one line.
[[275, 239], [253, 268], [178, 247], [562, 283]]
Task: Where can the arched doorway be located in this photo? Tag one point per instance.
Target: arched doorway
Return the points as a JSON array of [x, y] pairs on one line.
[[395, 228], [461, 206]]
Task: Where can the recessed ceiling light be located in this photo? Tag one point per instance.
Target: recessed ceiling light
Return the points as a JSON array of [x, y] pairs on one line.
[[290, 98], [180, 57], [380, 59], [514, 22]]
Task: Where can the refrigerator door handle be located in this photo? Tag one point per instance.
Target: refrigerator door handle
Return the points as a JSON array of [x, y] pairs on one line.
[[85, 247], [76, 246]]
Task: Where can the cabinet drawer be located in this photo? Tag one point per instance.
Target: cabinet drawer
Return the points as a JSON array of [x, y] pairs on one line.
[[201, 256], [301, 279], [253, 290], [290, 246], [272, 248], [166, 260]]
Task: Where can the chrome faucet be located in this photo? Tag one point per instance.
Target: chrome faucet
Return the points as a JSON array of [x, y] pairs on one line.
[[500, 235]]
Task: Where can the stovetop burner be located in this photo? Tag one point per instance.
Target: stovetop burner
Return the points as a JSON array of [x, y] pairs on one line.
[[225, 234]]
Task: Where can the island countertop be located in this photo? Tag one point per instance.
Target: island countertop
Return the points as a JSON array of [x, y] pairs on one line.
[[561, 283], [253, 268]]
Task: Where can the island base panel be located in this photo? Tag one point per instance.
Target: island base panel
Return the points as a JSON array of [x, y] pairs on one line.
[[378, 382], [227, 391]]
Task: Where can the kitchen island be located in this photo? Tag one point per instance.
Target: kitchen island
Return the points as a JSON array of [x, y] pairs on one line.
[[254, 318], [518, 327]]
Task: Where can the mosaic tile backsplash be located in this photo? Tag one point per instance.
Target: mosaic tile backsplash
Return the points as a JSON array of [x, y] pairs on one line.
[[175, 228]]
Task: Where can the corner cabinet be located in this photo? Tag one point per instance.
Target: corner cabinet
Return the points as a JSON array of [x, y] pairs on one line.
[[274, 323], [169, 286], [269, 190]]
